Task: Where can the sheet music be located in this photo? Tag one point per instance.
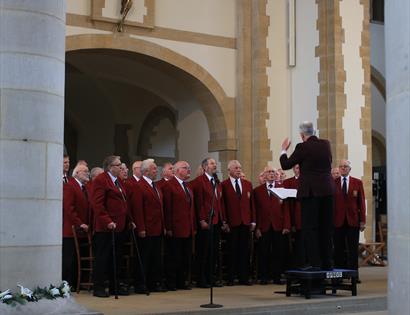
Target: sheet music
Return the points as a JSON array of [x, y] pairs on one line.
[[284, 193]]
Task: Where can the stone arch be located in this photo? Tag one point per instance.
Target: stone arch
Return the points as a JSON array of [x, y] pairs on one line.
[[217, 107], [379, 81], [152, 120]]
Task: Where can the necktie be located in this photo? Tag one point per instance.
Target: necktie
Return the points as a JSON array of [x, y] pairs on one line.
[[344, 186], [84, 191], [188, 195], [117, 184], [238, 189], [155, 188], [65, 180], [269, 190]]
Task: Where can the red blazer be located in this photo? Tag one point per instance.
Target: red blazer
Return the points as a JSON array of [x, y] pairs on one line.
[[293, 205], [202, 189], [353, 206], [179, 213], [109, 203], [238, 210], [160, 183], [146, 208], [269, 211], [75, 207], [315, 161]]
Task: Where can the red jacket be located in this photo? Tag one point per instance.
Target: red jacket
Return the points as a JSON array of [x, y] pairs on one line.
[[146, 208], [179, 214], [269, 211], [353, 206], [293, 204], [202, 189], [109, 203], [238, 210], [160, 183], [75, 207]]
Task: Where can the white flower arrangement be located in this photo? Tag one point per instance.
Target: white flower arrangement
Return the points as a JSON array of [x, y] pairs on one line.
[[27, 295]]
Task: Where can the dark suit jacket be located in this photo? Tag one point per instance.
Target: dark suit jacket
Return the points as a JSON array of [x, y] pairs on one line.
[[353, 206], [238, 210], [202, 189], [109, 203], [269, 211], [146, 208], [315, 161], [75, 207], [179, 213], [293, 204]]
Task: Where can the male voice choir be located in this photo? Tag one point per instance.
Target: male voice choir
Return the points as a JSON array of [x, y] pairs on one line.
[[171, 222]]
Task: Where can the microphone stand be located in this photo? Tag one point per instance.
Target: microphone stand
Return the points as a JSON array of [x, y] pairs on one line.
[[211, 251]]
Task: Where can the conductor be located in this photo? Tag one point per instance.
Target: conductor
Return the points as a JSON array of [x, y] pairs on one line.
[[315, 193]]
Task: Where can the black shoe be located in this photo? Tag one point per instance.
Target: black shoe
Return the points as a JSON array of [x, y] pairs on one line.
[[218, 284], [140, 289], [230, 283], [263, 282], [101, 292], [171, 287], [358, 280], [203, 285], [184, 287], [278, 281], [245, 282]]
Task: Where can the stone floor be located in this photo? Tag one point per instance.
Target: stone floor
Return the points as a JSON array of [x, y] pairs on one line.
[[256, 299]]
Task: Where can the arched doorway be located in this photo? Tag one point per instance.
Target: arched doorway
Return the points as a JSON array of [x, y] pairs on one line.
[[114, 88]]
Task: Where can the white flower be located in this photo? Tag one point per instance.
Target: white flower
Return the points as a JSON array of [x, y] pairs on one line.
[[65, 289], [5, 295], [54, 291], [25, 292]]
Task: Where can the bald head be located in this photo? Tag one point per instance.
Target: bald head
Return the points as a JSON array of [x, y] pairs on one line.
[[182, 170], [136, 169]]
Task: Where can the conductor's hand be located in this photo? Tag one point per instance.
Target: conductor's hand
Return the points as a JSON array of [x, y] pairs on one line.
[[285, 231], [111, 226], [84, 227], [142, 234], [204, 225], [285, 144]]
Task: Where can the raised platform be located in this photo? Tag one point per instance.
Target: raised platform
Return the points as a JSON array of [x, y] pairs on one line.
[[319, 282], [257, 299]]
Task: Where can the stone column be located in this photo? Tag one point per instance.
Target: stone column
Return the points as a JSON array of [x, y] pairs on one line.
[[32, 61], [397, 43]]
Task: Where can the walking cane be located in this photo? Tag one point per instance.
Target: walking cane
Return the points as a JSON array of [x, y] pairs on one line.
[[134, 239], [114, 261]]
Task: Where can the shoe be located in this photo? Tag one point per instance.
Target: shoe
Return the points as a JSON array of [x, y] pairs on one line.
[[171, 287], [278, 281], [358, 280], [230, 283], [218, 284], [203, 285], [140, 289], [158, 288], [101, 292], [263, 282], [245, 282], [184, 287]]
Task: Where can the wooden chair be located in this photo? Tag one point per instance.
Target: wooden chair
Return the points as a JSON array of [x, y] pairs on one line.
[[370, 252], [85, 259]]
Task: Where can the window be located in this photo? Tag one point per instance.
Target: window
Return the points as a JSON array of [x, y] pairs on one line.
[[377, 11]]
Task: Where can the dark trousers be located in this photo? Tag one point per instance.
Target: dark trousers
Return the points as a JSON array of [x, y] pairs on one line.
[[238, 251], [69, 270], [317, 230], [203, 257], [346, 241], [103, 262], [298, 251], [150, 247], [178, 252], [272, 251]]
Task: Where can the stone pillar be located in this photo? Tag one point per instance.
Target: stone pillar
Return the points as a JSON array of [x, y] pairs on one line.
[[397, 43], [32, 61]]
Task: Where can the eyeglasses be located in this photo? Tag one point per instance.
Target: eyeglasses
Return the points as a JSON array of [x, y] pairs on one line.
[[119, 164]]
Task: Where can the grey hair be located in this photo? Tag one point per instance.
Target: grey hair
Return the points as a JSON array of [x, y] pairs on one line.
[[232, 163], [95, 171], [145, 165], [77, 169], [306, 128]]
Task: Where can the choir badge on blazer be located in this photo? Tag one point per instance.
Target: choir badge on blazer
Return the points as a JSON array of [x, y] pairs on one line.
[[249, 194], [354, 193]]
